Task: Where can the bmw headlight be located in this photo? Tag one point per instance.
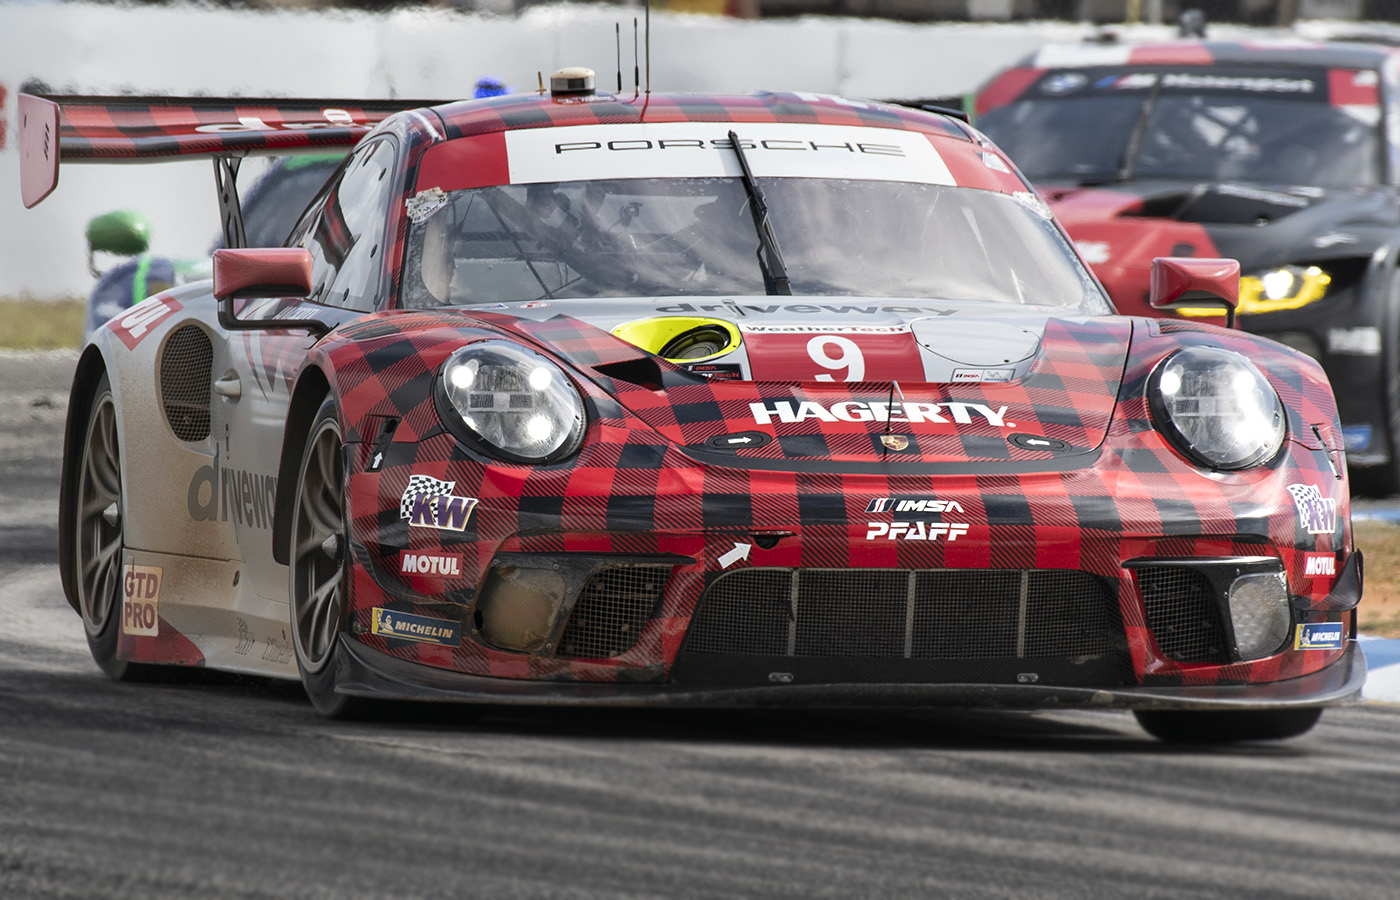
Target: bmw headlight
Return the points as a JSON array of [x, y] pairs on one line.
[[1275, 290], [1217, 407], [514, 403]]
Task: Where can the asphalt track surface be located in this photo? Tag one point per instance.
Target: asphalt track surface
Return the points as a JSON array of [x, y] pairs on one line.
[[234, 788]]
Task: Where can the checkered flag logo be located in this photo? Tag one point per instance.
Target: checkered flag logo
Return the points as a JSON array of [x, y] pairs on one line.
[[421, 486]]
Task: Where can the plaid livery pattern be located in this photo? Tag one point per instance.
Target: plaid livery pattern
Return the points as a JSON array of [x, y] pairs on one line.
[[640, 486]]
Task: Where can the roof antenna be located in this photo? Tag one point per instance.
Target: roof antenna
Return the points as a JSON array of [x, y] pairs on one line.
[[636, 63], [617, 33], [648, 43]]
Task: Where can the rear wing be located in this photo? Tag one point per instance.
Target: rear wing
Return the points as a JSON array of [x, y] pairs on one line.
[[91, 129]]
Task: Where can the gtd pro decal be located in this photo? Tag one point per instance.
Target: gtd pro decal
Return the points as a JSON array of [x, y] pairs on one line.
[[141, 600], [879, 411], [429, 503]]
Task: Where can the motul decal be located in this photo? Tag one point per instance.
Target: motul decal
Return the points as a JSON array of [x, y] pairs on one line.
[[430, 564], [1319, 564], [133, 327], [141, 600]]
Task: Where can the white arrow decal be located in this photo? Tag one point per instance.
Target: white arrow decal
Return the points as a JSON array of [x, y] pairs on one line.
[[740, 551], [741, 440]]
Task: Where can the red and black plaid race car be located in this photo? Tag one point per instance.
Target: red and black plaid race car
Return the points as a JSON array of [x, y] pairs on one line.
[[774, 399], [1283, 155]]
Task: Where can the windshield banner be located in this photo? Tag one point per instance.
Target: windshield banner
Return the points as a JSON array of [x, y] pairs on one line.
[[703, 150]]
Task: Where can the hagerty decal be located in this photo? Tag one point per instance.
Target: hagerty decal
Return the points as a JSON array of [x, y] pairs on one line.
[[879, 411]]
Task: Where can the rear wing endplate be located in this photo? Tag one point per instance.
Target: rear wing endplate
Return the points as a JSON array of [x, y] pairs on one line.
[[91, 129]]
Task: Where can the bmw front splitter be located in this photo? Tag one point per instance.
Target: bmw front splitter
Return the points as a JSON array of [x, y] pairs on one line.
[[364, 671]]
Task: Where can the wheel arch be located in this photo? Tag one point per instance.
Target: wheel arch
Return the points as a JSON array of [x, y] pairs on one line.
[[92, 365], [311, 389]]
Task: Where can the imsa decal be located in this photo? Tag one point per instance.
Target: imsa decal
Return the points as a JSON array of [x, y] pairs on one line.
[[429, 503], [408, 627]]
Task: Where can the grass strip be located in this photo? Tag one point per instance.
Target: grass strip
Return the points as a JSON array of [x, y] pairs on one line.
[[29, 324]]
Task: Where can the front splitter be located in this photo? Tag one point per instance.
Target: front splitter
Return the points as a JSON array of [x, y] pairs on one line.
[[366, 672]]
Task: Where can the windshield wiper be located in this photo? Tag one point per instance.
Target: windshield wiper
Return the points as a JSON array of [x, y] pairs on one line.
[[770, 258]]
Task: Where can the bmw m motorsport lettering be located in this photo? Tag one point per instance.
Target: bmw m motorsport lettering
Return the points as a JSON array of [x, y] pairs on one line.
[[495, 469]]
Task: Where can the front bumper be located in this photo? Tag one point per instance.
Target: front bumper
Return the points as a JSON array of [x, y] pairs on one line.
[[366, 672]]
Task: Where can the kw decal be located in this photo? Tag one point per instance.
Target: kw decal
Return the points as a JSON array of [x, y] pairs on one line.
[[430, 503], [1316, 513]]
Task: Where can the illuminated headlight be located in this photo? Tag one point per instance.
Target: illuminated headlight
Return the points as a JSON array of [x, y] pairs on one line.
[[1259, 613], [1217, 408], [514, 403], [1287, 287]]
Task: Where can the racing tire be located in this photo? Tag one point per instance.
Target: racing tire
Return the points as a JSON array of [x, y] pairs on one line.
[[318, 567], [1190, 726], [98, 517]]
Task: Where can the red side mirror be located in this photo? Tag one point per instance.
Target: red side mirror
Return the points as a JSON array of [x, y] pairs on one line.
[[1179, 281], [262, 272]]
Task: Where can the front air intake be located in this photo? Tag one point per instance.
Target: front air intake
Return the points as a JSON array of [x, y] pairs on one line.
[[186, 376]]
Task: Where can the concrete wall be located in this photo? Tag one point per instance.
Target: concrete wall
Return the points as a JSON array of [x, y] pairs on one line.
[[98, 48]]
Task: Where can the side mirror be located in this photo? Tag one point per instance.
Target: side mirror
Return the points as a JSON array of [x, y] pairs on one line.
[[1179, 282], [123, 232], [263, 272]]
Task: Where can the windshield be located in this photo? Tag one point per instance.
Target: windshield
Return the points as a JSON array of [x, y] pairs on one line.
[[695, 236], [1206, 126]]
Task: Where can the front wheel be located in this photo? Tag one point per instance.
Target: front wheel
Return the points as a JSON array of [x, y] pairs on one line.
[[318, 554], [1189, 726]]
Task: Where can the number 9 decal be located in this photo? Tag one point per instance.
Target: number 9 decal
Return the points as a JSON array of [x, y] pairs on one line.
[[848, 357]]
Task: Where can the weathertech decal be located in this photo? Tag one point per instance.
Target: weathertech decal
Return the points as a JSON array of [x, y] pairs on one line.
[[408, 627], [141, 600], [703, 150], [136, 324], [879, 411], [430, 503]]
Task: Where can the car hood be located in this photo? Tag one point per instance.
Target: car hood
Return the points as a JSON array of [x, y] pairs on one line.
[[937, 383]]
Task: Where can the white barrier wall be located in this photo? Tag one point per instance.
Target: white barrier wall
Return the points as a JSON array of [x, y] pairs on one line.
[[429, 53]]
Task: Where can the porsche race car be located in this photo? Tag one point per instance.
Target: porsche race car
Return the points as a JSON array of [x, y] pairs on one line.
[[1281, 154], [763, 400]]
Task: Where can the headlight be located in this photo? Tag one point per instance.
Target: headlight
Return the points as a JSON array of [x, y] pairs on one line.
[[1285, 287], [1217, 408], [514, 403]]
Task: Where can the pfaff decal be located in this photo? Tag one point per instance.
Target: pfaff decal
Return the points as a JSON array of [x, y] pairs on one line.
[[141, 600], [912, 505], [1319, 564], [915, 531], [1316, 513], [430, 564], [879, 411], [1319, 636], [408, 627], [429, 503], [133, 327]]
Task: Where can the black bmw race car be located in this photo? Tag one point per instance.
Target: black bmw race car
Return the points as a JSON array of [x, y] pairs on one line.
[[1284, 155]]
